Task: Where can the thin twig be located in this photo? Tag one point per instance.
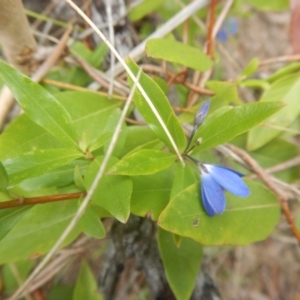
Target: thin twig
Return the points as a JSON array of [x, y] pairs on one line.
[[40, 200], [210, 37], [269, 183], [280, 167], [84, 203], [132, 76], [279, 59]]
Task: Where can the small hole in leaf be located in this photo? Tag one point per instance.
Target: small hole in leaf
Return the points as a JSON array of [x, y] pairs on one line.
[[196, 223]]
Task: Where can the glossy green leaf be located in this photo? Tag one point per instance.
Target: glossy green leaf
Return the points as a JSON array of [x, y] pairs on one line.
[[143, 162], [181, 264], [143, 8], [38, 162], [37, 231], [286, 90], [86, 286], [233, 122], [245, 220], [91, 224], [3, 179], [112, 193], [177, 52], [163, 108], [40, 105], [9, 217], [151, 193]]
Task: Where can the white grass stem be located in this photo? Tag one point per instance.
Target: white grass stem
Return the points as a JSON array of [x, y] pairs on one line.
[[85, 201], [129, 72]]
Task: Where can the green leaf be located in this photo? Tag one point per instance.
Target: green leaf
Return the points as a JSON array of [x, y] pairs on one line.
[[9, 217], [256, 84], [245, 220], [143, 162], [181, 264], [90, 223], [3, 179], [113, 192], [86, 286], [23, 135], [284, 71], [286, 90], [151, 193], [225, 92], [281, 151], [139, 137], [37, 231], [163, 107], [180, 53], [251, 68], [144, 8], [40, 105], [91, 113], [37, 162], [232, 123], [274, 5]]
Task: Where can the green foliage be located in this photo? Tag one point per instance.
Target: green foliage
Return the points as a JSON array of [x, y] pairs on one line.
[[86, 285], [180, 53], [181, 263], [286, 90], [57, 147]]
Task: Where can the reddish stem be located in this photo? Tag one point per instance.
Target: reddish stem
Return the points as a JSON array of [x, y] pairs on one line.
[[40, 200]]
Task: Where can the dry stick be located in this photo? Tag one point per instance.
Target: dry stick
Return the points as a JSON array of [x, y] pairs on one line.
[[132, 76], [198, 81], [86, 200], [112, 41], [69, 86], [268, 182], [280, 167], [210, 37], [40, 200], [138, 52], [279, 59]]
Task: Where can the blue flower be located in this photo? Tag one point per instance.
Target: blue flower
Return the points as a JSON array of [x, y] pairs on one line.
[[214, 181]]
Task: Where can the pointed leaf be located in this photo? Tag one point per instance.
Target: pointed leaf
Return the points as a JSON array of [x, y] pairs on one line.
[[143, 162], [245, 220], [162, 106], [38, 162], [40, 105], [181, 264], [91, 224], [9, 217], [86, 285], [151, 193], [286, 90], [3, 179], [177, 52], [233, 122], [37, 231], [113, 192]]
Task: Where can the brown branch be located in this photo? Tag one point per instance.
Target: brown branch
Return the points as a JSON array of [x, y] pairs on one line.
[[268, 182], [279, 59], [210, 29], [40, 200]]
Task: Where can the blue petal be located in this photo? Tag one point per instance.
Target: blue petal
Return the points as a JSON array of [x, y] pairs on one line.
[[206, 205], [229, 180], [212, 195], [202, 113]]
